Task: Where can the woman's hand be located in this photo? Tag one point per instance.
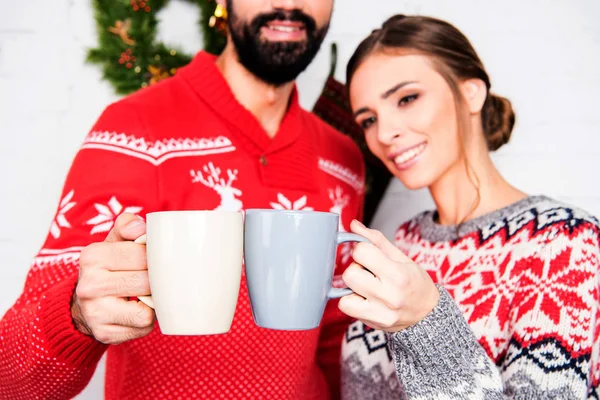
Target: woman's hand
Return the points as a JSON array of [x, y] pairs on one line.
[[391, 291]]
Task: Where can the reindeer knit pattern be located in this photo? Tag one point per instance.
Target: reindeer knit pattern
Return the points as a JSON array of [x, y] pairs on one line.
[[183, 144], [518, 316]]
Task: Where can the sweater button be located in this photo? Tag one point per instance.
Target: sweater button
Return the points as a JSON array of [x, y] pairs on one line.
[[263, 160]]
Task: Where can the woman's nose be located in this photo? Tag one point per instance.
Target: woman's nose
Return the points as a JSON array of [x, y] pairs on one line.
[[387, 136]]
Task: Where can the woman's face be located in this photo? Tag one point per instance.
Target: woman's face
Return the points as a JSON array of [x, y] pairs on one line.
[[408, 113]]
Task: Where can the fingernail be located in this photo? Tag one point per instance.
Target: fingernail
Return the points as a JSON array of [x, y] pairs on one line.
[[360, 224], [137, 223]]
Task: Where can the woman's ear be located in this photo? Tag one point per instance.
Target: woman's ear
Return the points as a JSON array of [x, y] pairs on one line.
[[474, 92]]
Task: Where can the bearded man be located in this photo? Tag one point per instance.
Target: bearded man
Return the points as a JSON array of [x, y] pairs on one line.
[[226, 132]]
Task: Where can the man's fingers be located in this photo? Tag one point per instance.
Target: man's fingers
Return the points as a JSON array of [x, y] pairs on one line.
[[119, 256], [123, 312], [127, 227], [115, 284], [134, 314], [116, 334]]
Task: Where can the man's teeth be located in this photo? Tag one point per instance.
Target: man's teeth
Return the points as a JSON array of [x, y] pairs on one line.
[[409, 154], [281, 28]]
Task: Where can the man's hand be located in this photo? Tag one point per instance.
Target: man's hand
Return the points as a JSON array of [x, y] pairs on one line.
[[109, 273]]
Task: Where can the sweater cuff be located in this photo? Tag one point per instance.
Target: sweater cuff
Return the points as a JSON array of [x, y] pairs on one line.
[[445, 322], [63, 340], [438, 353]]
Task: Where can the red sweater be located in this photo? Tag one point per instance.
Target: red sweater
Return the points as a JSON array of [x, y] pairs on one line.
[[183, 144]]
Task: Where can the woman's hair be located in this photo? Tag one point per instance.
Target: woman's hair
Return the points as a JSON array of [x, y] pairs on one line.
[[453, 57]]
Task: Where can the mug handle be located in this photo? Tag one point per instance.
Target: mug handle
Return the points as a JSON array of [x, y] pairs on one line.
[[147, 300], [343, 237]]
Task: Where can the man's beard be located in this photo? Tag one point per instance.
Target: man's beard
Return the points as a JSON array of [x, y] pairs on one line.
[[274, 63]]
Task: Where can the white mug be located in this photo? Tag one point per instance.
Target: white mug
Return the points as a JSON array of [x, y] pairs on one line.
[[195, 269]]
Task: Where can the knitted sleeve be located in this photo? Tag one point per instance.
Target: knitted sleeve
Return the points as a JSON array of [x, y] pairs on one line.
[[42, 355], [553, 351]]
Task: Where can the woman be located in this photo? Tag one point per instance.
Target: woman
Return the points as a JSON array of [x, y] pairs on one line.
[[495, 293]]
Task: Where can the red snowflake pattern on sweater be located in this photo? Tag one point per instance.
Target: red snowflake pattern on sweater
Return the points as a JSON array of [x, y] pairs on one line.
[[526, 278]]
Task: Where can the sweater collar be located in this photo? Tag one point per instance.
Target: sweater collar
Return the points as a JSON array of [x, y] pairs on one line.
[[433, 231], [278, 168], [208, 83]]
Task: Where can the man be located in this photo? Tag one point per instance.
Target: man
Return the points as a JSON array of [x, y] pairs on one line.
[[224, 133]]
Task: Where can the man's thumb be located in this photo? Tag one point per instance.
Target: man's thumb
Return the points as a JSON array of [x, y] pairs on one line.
[[127, 227]]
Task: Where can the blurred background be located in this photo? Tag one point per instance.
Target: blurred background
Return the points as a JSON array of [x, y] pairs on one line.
[[544, 55]]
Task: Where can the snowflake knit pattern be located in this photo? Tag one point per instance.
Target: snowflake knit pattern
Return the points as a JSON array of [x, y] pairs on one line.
[[183, 144], [518, 315]]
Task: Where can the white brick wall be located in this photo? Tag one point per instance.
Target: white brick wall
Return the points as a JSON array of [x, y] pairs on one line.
[[542, 54]]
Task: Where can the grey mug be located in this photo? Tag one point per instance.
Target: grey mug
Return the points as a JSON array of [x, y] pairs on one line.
[[290, 260]]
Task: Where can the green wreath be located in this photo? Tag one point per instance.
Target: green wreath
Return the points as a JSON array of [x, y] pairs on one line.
[[127, 50]]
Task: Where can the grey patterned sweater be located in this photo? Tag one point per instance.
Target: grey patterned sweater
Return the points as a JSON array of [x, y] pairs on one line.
[[517, 316]]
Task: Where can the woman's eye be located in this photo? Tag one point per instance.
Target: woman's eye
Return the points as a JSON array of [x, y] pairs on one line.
[[407, 99], [367, 122]]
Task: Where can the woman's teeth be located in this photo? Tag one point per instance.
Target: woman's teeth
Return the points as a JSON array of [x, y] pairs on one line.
[[409, 154]]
